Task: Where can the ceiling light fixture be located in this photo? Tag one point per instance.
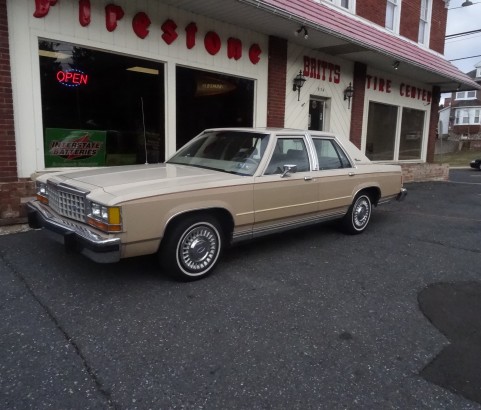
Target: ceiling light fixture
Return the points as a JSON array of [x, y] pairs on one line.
[[302, 29], [396, 64]]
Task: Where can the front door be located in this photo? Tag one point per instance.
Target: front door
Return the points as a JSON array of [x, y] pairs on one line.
[[316, 114], [281, 200]]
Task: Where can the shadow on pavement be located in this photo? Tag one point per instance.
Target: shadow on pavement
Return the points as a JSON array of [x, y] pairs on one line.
[[455, 309]]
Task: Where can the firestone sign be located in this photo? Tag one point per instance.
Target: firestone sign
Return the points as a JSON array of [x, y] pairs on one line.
[[141, 23]]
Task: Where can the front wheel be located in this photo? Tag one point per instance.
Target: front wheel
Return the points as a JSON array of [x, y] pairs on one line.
[[192, 248], [358, 215]]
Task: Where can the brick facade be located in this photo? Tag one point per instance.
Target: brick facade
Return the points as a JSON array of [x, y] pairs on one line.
[[8, 158], [425, 172], [357, 103], [410, 14], [12, 190], [373, 10], [276, 87], [439, 18]]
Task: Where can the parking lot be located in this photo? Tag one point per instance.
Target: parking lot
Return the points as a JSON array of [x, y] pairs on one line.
[[311, 319]]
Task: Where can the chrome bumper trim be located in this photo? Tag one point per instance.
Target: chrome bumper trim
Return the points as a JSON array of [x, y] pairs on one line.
[[75, 236]]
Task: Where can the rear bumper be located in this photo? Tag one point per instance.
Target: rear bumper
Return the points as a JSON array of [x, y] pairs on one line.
[[75, 236], [402, 194]]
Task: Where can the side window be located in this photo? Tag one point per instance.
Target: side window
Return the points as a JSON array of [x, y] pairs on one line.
[[330, 156], [288, 151]]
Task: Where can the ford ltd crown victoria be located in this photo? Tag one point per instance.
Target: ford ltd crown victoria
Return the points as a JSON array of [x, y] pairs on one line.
[[224, 186]]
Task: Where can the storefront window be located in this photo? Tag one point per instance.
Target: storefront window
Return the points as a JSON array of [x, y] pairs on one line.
[[100, 108], [209, 100], [412, 127], [381, 131]]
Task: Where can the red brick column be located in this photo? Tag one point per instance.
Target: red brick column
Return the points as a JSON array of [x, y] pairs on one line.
[[276, 82], [8, 158], [357, 103], [12, 189], [433, 123]]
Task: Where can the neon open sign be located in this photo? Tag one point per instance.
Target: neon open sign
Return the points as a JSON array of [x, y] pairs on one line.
[[72, 78]]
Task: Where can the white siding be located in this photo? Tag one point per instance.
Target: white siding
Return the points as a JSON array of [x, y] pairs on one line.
[[297, 112], [62, 24]]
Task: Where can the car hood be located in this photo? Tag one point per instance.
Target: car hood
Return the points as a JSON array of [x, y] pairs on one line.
[[130, 182]]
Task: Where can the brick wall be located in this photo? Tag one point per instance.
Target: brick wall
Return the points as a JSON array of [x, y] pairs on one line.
[[357, 103], [13, 191], [372, 10], [425, 172], [410, 14], [438, 26], [276, 87], [8, 158]]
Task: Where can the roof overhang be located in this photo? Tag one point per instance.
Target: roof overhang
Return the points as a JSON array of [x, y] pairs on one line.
[[334, 32]]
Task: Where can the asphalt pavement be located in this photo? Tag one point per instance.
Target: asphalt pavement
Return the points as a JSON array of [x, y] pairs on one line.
[[311, 319]]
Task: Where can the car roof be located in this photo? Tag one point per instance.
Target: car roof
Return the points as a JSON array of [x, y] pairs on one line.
[[278, 131]]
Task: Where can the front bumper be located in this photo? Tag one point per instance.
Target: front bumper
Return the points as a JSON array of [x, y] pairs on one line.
[[402, 194], [74, 235]]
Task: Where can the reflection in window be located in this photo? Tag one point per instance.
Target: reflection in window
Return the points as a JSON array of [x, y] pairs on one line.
[[412, 128], [392, 13], [424, 22], [211, 100], [381, 131], [330, 156], [100, 108], [288, 151]]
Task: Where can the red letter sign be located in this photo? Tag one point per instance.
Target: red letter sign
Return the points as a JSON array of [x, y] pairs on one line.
[[190, 30], [84, 12], [212, 43], [113, 14], [234, 48], [140, 24], [254, 53], [42, 7], [168, 28]]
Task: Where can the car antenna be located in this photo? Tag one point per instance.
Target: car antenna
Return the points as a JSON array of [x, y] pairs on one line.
[[143, 124]]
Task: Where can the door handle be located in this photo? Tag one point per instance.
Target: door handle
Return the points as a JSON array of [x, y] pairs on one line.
[[351, 174], [307, 178]]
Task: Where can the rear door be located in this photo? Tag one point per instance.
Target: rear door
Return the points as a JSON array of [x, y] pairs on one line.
[[336, 176]]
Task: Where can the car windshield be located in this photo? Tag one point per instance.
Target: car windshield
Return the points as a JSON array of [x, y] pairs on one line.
[[235, 152]]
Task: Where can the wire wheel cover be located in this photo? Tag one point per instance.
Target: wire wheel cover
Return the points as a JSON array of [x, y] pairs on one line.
[[198, 248], [361, 212]]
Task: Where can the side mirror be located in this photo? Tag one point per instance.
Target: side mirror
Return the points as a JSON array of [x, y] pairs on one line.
[[286, 172]]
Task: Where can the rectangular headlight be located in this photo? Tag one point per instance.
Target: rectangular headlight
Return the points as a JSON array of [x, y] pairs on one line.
[[41, 194], [106, 218]]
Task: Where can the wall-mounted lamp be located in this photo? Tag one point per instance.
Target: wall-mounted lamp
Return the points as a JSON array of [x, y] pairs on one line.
[[348, 94], [297, 84], [395, 65], [303, 30]]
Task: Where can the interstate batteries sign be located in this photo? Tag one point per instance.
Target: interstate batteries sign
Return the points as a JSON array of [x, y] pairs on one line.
[[74, 148]]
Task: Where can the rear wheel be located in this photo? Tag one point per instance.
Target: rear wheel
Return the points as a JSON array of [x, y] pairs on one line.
[[192, 247], [358, 215]]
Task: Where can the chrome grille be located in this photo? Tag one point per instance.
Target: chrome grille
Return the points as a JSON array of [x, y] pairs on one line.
[[67, 201]]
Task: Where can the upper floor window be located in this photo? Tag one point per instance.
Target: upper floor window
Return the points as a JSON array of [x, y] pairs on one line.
[[467, 116], [478, 72], [392, 15], [466, 95], [345, 4], [424, 22]]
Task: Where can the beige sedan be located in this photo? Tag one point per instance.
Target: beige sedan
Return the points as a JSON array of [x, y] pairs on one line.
[[224, 186]]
